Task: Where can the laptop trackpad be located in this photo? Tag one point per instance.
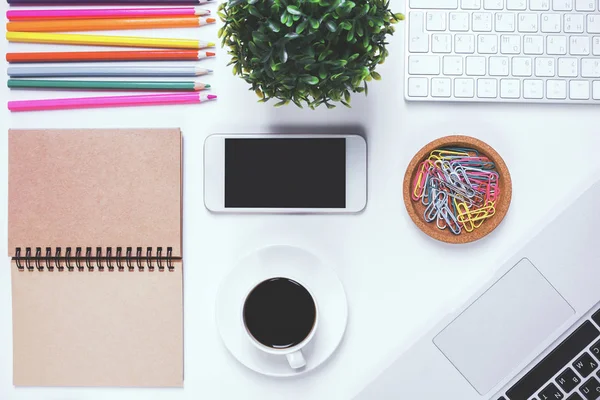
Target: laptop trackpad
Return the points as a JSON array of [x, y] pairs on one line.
[[495, 333]]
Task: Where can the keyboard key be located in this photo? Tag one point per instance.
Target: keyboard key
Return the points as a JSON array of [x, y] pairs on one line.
[[568, 380], [579, 45], [584, 5], [487, 88], [596, 317], [418, 40], [593, 23], [556, 45], [551, 392], [556, 89], [487, 44], [533, 89], [554, 362], [591, 389], [476, 66], [574, 23], [544, 67], [441, 43], [551, 23], [575, 396], [516, 4], [539, 5], [433, 4], [464, 88], [482, 22], [436, 21], [464, 44], [499, 66], [585, 365], [470, 4], [441, 87], [528, 22], [417, 87], [505, 22], [533, 44], [522, 66], [423, 65], [596, 90], [493, 4], [453, 65], [510, 88], [595, 350], [510, 44], [596, 51], [459, 21], [579, 90], [567, 67], [562, 5]]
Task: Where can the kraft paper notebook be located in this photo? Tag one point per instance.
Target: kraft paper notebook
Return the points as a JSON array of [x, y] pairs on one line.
[[94, 233]]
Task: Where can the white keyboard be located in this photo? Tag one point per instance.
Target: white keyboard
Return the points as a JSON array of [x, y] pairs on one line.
[[545, 51]]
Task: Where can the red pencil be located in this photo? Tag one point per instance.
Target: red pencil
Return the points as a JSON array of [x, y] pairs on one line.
[[80, 56]]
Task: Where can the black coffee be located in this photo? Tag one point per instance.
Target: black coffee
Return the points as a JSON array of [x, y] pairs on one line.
[[279, 313]]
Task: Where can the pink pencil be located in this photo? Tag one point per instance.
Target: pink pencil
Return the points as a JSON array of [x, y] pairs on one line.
[[112, 101], [13, 15]]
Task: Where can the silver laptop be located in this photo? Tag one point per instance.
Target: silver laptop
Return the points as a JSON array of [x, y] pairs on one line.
[[533, 332]]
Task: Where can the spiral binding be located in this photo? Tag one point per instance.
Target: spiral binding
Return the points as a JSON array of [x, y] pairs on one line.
[[101, 260]]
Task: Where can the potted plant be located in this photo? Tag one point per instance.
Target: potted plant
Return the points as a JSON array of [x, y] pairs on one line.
[[307, 51]]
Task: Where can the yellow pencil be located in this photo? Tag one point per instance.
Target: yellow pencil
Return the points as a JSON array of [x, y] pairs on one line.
[[98, 40]]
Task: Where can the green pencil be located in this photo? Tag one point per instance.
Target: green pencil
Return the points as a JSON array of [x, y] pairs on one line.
[[107, 85]]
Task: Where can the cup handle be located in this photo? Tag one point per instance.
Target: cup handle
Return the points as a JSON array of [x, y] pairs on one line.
[[296, 359]]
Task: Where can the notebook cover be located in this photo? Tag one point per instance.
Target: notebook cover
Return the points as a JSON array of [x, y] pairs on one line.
[[99, 188], [96, 188]]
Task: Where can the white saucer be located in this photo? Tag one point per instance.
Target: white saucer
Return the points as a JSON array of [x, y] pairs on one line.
[[290, 262]]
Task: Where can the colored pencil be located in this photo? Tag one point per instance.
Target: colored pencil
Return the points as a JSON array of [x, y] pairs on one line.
[[18, 15], [80, 25], [71, 71], [112, 101], [98, 40], [107, 2], [107, 85], [81, 56]]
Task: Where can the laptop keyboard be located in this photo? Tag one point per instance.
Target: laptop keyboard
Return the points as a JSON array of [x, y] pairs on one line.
[[569, 372]]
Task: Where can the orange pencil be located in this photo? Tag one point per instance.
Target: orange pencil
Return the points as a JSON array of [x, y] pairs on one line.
[[80, 25], [95, 56]]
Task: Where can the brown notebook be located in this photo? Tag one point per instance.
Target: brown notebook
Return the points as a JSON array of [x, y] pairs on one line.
[[94, 233]]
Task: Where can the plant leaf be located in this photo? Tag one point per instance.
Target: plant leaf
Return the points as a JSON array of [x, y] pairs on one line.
[[259, 36], [274, 26], [284, 17], [294, 10], [314, 23], [283, 55], [254, 11], [301, 27], [281, 103], [309, 79], [331, 26], [292, 35], [376, 75]]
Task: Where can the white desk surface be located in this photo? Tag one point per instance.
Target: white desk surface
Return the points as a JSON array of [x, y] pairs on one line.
[[397, 280]]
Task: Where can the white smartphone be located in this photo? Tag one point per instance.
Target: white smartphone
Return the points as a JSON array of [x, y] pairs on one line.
[[279, 173]]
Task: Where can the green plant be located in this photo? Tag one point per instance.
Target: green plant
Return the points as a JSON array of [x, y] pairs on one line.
[[307, 51]]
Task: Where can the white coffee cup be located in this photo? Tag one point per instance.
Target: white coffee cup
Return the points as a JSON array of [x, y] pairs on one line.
[[293, 353]]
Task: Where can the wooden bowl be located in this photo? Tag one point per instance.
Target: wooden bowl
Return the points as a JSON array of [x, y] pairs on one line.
[[416, 209]]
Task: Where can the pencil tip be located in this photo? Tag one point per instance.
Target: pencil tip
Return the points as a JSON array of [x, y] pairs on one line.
[[210, 54], [211, 20], [206, 86], [211, 96], [211, 44]]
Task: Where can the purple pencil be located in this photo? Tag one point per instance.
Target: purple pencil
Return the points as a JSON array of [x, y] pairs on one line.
[[106, 2]]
